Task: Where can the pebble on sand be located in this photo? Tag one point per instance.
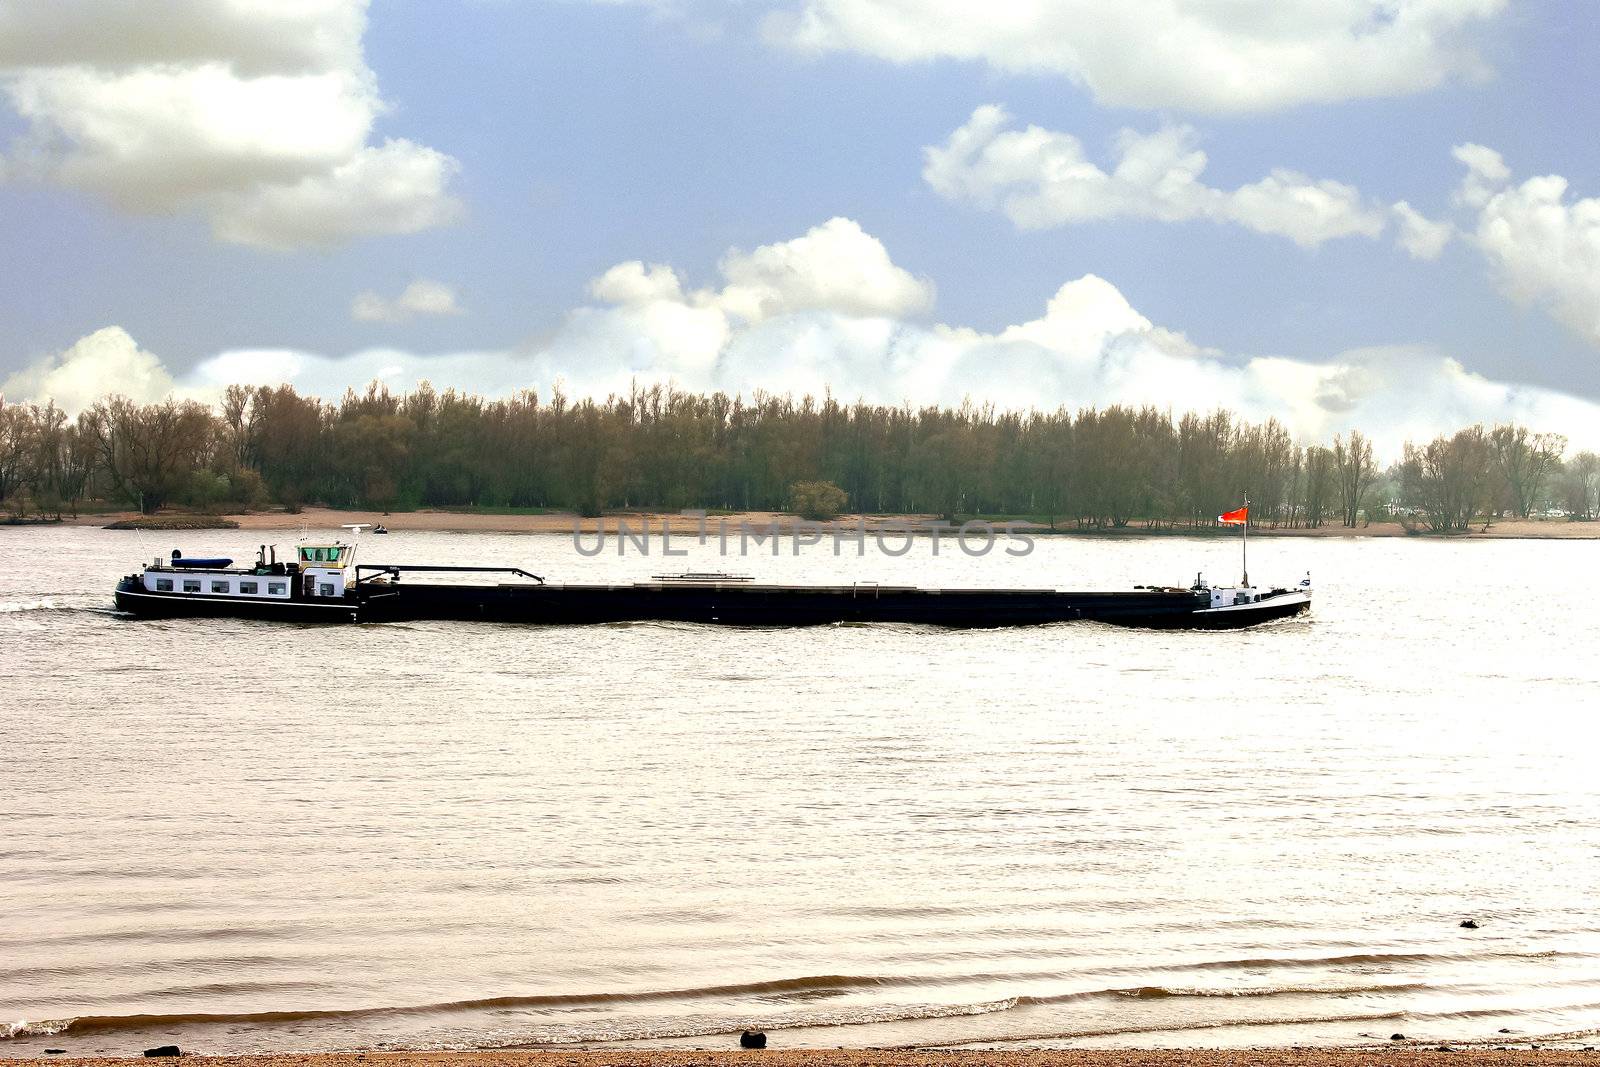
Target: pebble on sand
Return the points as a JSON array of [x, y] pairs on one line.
[[163, 1050], [752, 1039]]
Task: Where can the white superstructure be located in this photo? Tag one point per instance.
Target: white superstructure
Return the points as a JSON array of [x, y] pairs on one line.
[[320, 573]]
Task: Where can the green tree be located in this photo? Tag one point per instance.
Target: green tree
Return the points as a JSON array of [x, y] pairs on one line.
[[817, 500]]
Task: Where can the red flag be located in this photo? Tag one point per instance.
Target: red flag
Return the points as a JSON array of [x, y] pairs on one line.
[[1237, 517]]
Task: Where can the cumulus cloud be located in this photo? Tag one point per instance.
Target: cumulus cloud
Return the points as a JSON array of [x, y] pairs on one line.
[[106, 361], [1487, 173], [1042, 178], [836, 266], [255, 114], [1543, 247], [1088, 346], [1191, 55], [1420, 236], [421, 297]]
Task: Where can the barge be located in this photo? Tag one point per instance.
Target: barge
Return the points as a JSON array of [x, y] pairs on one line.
[[323, 583]]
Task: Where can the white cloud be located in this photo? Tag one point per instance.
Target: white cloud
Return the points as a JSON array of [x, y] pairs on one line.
[[255, 114], [1042, 178], [836, 266], [105, 362], [1089, 346], [635, 283], [266, 35], [1420, 236], [1192, 55], [395, 188], [421, 297], [1543, 248], [1486, 173]]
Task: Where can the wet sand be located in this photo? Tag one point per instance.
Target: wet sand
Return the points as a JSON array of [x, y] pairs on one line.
[[1376, 1056], [437, 521]]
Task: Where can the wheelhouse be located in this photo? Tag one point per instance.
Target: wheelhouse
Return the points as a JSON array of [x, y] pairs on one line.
[[325, 569]]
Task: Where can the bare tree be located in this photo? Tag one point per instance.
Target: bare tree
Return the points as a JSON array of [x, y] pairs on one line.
[[149, 452], [1355, 469], [1449, 479], [1523, 464], [18, 430], [1320, 476], [1580, 486]]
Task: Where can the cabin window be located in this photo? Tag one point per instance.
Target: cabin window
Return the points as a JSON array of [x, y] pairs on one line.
[[191, 585], [275, 588], [325, 589], [249, 587], [163, 585], [219, 587]]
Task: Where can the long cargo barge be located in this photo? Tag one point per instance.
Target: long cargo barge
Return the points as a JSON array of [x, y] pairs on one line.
[[323, 583]]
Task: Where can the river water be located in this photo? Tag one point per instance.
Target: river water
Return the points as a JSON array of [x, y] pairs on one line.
[[242, 836]]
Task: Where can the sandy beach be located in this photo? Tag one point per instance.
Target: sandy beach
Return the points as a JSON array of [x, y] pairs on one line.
[[1380, 1056], [437, 521]]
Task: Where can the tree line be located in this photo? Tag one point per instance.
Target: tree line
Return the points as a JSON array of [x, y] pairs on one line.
[[663, 448]]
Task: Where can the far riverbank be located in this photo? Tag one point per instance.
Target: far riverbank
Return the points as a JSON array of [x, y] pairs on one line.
[[1388, 1055], [475, 521]]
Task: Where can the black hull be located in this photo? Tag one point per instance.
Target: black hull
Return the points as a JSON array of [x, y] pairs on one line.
[[733, 604], [729, 605], [757, 605]]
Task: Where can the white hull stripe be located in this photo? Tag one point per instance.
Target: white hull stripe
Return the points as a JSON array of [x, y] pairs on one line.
[[283, 602], [1272, 602]]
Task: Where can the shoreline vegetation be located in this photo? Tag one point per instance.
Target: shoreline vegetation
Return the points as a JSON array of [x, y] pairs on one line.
[[1410, 1055], [173, 522], [510, 521], [661, 450]]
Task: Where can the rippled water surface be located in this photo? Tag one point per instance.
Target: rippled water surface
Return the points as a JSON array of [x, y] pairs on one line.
[[243, 835]]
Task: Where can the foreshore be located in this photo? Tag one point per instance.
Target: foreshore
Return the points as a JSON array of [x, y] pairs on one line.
[[1381, 1056], [466, 521]]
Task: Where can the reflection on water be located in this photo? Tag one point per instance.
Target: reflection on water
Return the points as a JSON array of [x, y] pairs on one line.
[[241, 835]]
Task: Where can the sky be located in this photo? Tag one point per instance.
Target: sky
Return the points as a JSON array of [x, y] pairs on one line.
[[1380, 214]]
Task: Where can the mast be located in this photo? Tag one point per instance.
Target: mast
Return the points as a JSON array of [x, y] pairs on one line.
[[1244, 543]]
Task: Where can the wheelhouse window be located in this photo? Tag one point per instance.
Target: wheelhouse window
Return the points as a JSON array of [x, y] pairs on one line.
[[191, 585], [219, 587], [325, 589], [163, 585], [275, 588], [249, 587]]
